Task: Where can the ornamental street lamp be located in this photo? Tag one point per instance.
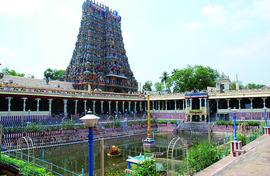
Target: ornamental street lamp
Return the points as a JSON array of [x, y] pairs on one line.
[[90, 120], [234, 124]]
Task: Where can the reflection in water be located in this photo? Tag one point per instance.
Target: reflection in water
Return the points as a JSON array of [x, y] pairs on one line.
[[74, 157]]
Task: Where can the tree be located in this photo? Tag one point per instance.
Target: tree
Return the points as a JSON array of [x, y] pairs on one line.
[[148, 86], [254, 86], [54, 74], [159, 87], [6, 71], [165, 76], [193, 78]]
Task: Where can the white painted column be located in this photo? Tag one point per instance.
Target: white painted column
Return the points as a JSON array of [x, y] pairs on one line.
[[175, 105], [200, 99], [76, 107], [116, 106], [50, 106], [9, 103], [191, 103], [123, 107], [186, 104], [110, 110], [85, 106], [239, 103], [153, 105], [251, 103], [166, 105], [264, 105], [94, 107], [129, 106], [101, 107], [183, 104], [65, 107], [141, 106], [159, 105], [24, 103], [205, 104], [217, 101], [38, 100], [228, 103], [135, 106]]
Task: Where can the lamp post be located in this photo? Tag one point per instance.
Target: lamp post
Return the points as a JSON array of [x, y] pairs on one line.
[[90, 120], [265, 118], [234, 124]]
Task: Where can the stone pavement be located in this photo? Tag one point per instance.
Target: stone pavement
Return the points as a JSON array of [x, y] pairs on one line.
[[256, 162]]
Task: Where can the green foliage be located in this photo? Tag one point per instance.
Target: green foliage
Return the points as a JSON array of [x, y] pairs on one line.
[[246, 123], [116, 123], [159, 87], [54, 74], [67, 125], [254, 86], [34, 127], [147, 168], [167, 121], [148, 86], [25, 169], [193, 77], [12, 72], [199, 157]]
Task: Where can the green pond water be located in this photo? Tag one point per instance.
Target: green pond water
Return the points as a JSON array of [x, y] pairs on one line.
[[74, 157]]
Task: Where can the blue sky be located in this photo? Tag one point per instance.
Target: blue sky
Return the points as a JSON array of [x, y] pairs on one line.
[[232, 36]]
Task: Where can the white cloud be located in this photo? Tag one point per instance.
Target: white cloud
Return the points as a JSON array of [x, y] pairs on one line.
[[215, 14], [7, 53], [193, 26]]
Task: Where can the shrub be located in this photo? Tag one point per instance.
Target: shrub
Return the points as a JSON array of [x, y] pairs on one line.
[[24, 168], [199, 157]]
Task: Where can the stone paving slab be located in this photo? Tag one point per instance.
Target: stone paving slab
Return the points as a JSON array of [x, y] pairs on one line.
[[255, 162]]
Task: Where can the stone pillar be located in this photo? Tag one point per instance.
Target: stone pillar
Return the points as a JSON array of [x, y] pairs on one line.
[[9, 103], [116, 106], [94, 107], [135, 106], [123, 107], [38, 100], [264, 105], [205, 105], [65, 107], [251, 103], [50, 106], [175, 105], [101, 107], [24, 103], [110, 110], [85, 106], [129, 106], [239, 103], [140, 106], [166, 105], [200, 99], [75, 107], [228, 103], [183, 104]]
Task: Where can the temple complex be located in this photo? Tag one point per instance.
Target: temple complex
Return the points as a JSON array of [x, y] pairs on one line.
[[99, 60]]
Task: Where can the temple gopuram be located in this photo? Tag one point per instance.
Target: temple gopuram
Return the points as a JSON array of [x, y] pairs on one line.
[[99, 60]]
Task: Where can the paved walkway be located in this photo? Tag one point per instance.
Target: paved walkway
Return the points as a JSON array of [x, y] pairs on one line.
[[255, 162]]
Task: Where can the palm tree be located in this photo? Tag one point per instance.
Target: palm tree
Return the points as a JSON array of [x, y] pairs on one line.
[[164, 77]]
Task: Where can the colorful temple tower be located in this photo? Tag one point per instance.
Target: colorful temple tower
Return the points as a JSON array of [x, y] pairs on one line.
[[99, 60]]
